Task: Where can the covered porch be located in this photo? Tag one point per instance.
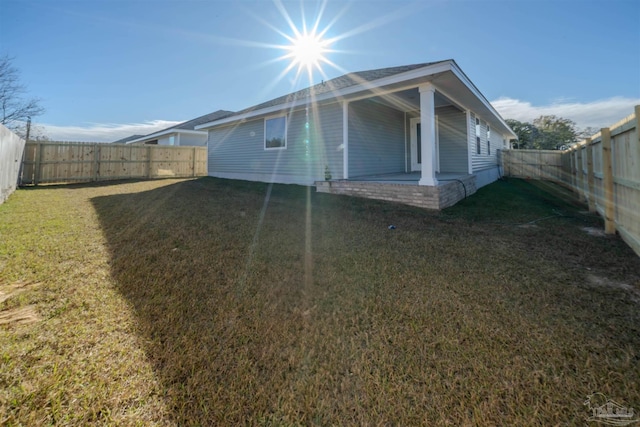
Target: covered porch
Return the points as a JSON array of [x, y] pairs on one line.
[[409, 145], [416, 134]]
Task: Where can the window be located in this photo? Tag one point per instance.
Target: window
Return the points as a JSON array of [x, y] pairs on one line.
[[477, 135], [172, 140], [419, 142], [275, 133], [488, 139]]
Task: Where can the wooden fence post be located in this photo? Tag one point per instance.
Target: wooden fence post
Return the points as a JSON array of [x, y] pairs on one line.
[[38, 159], [572, 156], [96, 162], [505, 162], [590, 177], [193, 168], [580, 175], [607, 172], [148, 161]]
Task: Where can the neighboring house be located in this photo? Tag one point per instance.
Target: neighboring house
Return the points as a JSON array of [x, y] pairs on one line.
[[181, 134], [127, 139], [419, 134]]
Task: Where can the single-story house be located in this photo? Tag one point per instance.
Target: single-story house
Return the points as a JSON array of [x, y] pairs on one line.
[[419, 134], [181, 134]]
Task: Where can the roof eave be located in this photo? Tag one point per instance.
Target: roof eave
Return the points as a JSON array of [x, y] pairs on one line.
[[469, 84], [428, 70]]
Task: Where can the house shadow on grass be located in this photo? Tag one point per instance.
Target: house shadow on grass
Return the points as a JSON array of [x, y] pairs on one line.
[[312, 311], [217, 282]]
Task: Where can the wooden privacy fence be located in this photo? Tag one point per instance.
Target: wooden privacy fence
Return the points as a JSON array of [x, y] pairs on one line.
[[49, 162], [533, 164], [603, 170], [11, 147]]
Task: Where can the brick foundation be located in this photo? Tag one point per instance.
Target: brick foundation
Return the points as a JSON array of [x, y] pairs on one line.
[[448, 193]]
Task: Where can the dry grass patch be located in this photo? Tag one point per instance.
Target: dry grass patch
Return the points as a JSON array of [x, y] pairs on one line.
[[214, 302]]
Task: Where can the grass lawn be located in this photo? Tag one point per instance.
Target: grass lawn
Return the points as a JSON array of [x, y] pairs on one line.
[[216, 302]]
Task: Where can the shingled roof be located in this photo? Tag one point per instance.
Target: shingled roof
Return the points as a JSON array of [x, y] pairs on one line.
[[191, 124], [338, 83]]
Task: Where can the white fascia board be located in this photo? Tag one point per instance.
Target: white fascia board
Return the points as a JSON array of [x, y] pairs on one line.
[[465, 80], [167, 132], [372, 85], [190, 132]]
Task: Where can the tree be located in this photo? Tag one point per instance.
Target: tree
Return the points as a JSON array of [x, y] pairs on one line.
[[554, 132], [526, 133], [15, 108], [587, 132], [545, 133]]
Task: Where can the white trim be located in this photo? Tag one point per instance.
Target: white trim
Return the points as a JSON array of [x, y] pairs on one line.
[[478, 136], [345, 140], [470, 141], [264, 135], [374, 85]]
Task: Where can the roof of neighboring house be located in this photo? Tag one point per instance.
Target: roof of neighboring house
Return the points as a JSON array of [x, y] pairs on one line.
[[127, 139], [191, 124], [187, 127]]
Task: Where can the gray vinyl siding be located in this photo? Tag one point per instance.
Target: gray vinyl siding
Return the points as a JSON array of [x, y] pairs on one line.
[[328, 134], [483, 160], [376, 139], [193, 140], [452, 137], [239, 148]]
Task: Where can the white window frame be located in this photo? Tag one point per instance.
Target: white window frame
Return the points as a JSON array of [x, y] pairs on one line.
[[286, 125], [478, 149]]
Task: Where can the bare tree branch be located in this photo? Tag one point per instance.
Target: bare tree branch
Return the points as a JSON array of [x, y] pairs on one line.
[[15, 108]]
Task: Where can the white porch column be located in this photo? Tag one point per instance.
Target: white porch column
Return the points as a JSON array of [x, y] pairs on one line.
[[428, 135]]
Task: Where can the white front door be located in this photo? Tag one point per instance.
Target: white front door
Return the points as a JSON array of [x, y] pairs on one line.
[[416, 145]]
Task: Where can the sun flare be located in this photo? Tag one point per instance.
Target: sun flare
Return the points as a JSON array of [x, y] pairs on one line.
[[308, 50]]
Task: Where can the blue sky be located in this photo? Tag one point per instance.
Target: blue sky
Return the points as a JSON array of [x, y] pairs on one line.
[[107, 69]]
